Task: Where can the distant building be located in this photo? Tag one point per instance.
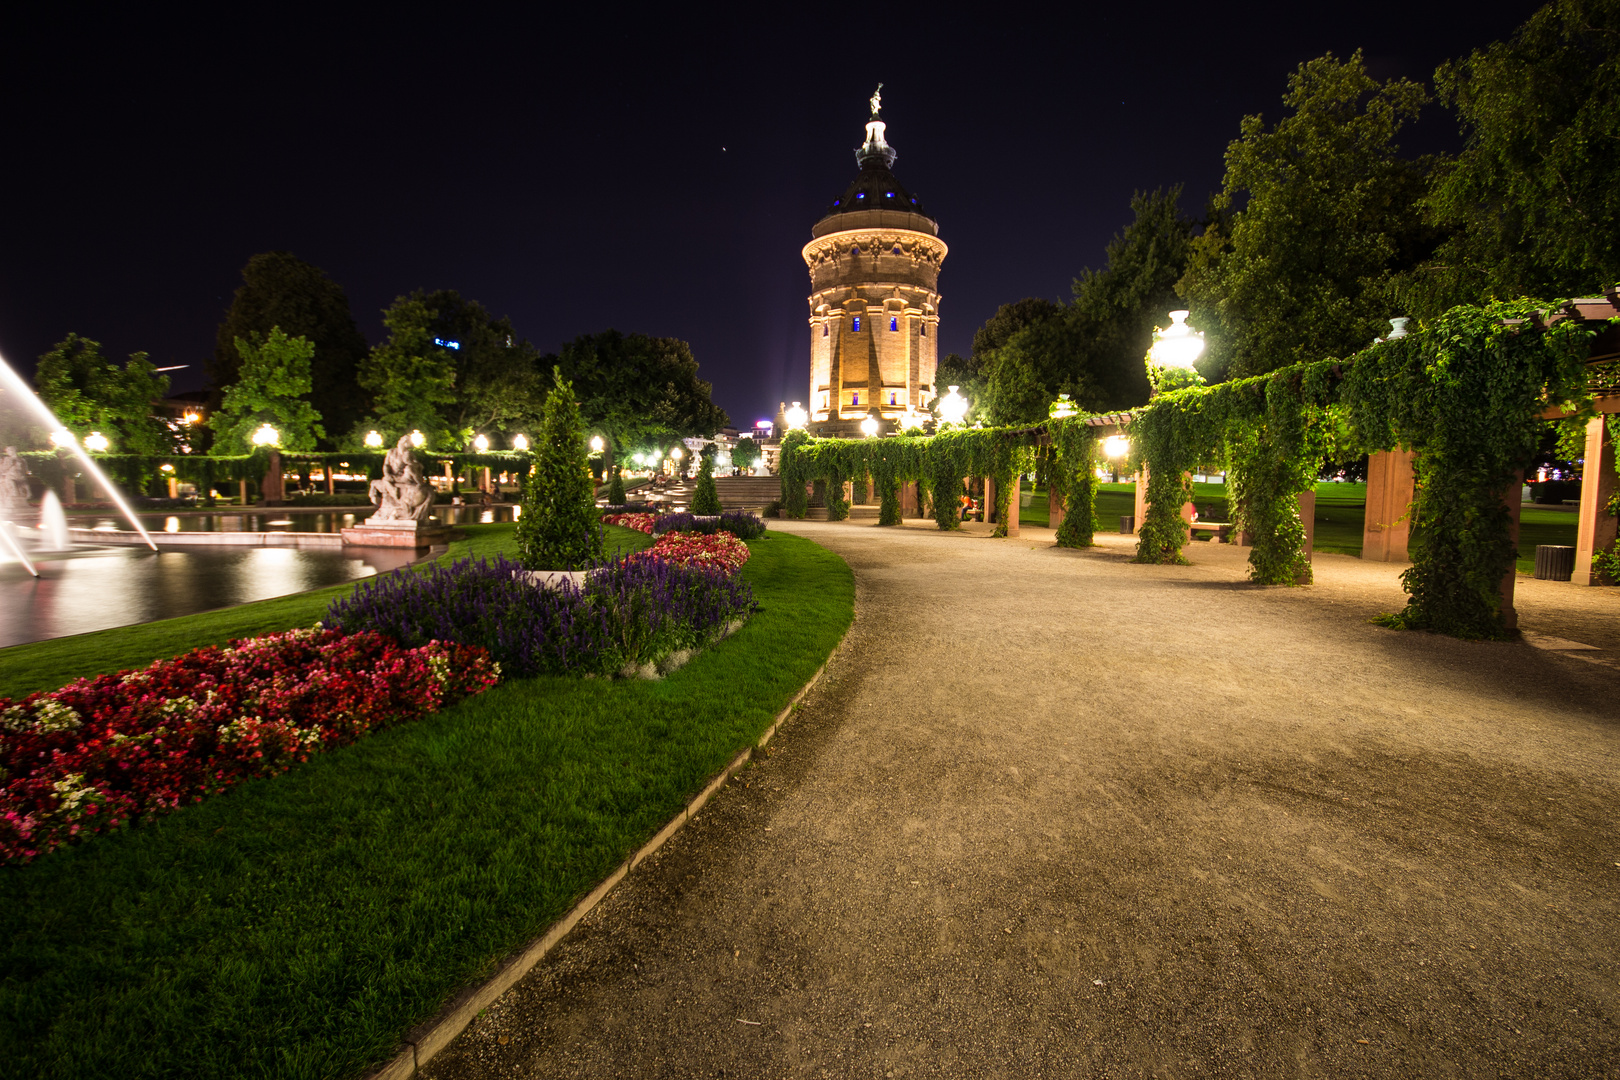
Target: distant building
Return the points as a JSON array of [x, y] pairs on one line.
[[874, 263]]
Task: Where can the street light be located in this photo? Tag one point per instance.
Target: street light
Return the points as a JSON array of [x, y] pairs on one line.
[[796, 417], [481, 444], [374, 439], [953, 406], [675, 454], [96, 443], [1178, 346], [1116, 446], [265, 436], [597, 444], [869, 426], [62, 439], [1062, 408], [417, 439], [520, 442]]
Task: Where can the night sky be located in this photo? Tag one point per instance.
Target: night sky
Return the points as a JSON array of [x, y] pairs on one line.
[[649, 173]]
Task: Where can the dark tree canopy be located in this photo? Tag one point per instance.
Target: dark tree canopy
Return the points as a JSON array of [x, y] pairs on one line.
[[1533, 202], [633, 387], [87, 393], [453, 370], [1316, 220], [279, 289]]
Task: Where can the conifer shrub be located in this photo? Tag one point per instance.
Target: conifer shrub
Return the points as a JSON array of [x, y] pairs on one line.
[[706, 500], [616, 488], [559, 528]]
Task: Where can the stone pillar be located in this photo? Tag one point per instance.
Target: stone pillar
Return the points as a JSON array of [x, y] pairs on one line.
[[331, 489], [174, 488], [485, 483], [1012, 505], [987, 512], [1140, 509], [1054, 508], [1307, 517], [1596, 530], [1389, 501], [241, 488], [271, 489], [1514, 498], [908, 499]]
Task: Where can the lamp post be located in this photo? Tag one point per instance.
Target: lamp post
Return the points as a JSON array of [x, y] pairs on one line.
[[481, 444], [265, 436], [597, 444], [796, 417], [1178, 345], [869, 426], [374, 440], [96, 443], [1062, 408], [418, 439], [520, 442], [953, 406]]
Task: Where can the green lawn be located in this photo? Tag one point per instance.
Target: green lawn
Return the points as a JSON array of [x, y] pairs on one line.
[[1340, 517], [46, 665], [297, 926]]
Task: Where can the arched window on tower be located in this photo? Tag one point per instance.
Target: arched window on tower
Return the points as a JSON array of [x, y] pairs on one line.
[[857, 324], [897, 249], [855, 397], [924, 329], [894, 399], [826, 328], [894, 323]]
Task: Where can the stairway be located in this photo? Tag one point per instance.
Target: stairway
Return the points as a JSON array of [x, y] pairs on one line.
[[736, 493]]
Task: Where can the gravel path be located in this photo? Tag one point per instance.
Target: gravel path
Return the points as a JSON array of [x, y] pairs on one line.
[[1054, 814]]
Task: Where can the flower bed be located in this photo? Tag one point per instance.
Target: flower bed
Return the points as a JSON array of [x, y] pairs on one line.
[[624, 616], [638, 522], [100, 752], [719, 551], [739, 523]]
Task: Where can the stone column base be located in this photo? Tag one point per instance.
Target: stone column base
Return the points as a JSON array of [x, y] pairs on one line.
[[410, 534]]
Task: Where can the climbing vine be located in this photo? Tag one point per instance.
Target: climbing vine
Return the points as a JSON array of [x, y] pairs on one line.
[[1071, 470]]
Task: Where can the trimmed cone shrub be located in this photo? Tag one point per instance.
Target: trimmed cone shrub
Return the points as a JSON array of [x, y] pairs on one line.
[[559, 528], [706, 500], [616, 488]]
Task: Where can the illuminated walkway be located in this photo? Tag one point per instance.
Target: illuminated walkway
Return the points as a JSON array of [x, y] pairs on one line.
[[1054, 814]]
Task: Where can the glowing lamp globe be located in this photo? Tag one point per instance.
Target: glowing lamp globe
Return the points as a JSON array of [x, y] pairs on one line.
[[481, 444], [1178, 346], [1062, 408], [417, 438], [265, 436], [675, 454], [166, 467], [953, 406], [597, 444], [374, 439], [1116, 446], [520, 442], [96, 443], [796, 417], [62, 439], [869, 426]]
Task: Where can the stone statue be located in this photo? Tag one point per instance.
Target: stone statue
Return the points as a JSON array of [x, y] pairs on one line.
[[877, 100], [14, 490], [403, 494]]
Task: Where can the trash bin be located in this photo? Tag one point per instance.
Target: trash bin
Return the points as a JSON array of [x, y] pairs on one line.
[[1127, 523], [1555, 562]]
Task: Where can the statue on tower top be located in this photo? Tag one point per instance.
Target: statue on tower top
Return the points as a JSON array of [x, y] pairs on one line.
[[877, 101]]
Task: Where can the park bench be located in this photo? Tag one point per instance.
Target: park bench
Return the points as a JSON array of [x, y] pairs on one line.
[[1221, 529]]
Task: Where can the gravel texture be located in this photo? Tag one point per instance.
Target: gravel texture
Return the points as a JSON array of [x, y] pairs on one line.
[[1053, 814]]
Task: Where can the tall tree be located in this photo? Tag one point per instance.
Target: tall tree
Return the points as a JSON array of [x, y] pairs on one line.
[[453, 370], [279, 289], [633, 387], [87, 393], [1533, 202], [272, 381], [1317, 218], [978, 374]]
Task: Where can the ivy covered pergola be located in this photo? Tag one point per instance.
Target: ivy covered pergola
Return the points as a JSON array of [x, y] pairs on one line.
[[1461, 404]]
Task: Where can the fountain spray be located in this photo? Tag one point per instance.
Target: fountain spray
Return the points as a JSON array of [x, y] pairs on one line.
[[10, 380]]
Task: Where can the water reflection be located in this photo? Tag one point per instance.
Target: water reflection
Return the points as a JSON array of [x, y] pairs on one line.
[[103, 587], [283, 520]]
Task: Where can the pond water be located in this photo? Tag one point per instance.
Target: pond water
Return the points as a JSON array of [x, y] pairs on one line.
[[280, 519], [93, 588]]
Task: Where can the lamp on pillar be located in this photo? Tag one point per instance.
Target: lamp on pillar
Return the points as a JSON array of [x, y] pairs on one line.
[[796, 417], [1170, 360], [1062, 408], [869, 426], [953, 406]]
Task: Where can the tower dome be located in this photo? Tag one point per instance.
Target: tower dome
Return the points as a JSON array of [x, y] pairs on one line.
[[874, 261]]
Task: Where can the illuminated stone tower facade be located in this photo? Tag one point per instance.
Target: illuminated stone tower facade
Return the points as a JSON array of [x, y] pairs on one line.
[[874, 264]]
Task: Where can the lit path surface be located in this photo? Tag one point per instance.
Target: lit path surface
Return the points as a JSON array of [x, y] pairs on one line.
[[1054, 814]]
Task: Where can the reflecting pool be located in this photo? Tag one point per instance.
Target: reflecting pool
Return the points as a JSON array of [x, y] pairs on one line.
[[93, 588]]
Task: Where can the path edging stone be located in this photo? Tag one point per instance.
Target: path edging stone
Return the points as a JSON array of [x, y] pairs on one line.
[[423, 1042]]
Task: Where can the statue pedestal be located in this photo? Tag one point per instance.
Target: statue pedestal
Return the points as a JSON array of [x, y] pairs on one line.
[[412, 534]]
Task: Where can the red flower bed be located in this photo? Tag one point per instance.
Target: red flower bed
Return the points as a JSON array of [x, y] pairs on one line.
[[639, 522], [93, 755], [719, 550]]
